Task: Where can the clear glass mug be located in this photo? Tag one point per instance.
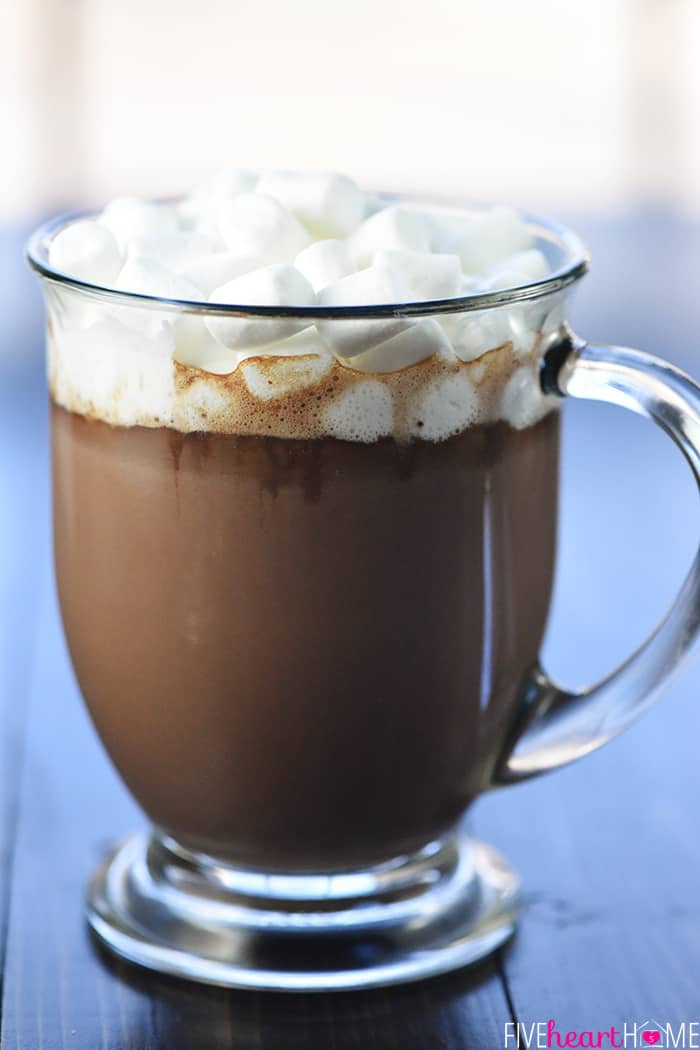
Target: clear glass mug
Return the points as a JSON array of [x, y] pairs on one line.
[[304, 602]]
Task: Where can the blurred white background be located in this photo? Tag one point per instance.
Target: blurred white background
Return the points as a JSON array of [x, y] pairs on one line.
[[552, 104]]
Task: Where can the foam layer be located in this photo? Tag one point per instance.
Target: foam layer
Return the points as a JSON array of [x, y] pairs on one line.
[[289, 240], [121, 376]]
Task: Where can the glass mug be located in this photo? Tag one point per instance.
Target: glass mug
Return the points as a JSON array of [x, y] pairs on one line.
[[307, 651]]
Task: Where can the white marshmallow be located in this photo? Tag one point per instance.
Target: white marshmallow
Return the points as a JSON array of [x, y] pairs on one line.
[[373, 285], [303, 343], [416, 343], [276, 285], [200, 209], [519, 269], [86, 250], [175, 251], [393, 227], [146, 276], [328, 205], [522, 401], [212, 271], [369, 287], [485, 330], [422, 275], [325, 262], [491, 237], [476, 333], [129, 217], [253, 224], [196, 346]]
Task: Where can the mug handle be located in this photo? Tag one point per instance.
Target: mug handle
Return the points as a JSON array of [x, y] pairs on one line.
[[556, 726]]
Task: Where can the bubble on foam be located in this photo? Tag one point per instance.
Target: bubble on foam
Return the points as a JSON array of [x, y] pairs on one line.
[[447, 406], [199, 403], [277, 377], [362, 412]]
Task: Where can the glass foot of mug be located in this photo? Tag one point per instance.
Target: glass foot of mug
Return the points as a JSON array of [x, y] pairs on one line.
[[185, 914]]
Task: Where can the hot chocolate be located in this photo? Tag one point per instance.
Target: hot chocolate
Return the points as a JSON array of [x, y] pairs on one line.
[[303, 562], [303, 654]]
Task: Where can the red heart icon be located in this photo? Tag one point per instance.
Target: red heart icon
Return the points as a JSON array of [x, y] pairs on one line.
[[651, 1038]]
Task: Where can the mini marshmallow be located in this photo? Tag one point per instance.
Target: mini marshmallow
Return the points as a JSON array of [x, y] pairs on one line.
[[147, 277], [196, 347], [477, 333], [328, 205], [522, 401], [276, 285], [373, 285], [212, 271], [129, 217], [325, 262], [175, 251], [393, 227], [86, 250], [416, 343], [253, 224], [422, 275], [491, 237], [484, 330], [302, 343], [519, 269], [200, 209]]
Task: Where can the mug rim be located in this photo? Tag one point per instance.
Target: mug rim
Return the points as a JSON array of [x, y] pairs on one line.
[[574, 265]]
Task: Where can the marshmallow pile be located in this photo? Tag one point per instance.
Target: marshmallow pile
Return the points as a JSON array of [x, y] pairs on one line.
[[292, 240]]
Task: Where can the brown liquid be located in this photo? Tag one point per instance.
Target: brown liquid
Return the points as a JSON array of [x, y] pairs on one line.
[[285, 644]]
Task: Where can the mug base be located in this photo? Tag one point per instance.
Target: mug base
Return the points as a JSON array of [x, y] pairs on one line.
[[190, 916]]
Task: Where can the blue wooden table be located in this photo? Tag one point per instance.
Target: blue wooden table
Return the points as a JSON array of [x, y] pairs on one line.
[[609, 850]]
